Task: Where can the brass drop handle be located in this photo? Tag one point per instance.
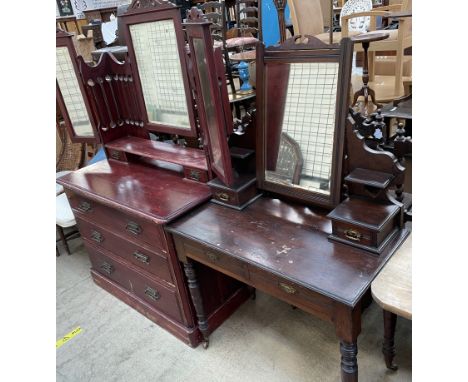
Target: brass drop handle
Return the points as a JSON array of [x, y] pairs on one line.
[[152, 293], [195, 174], [115, 155], [287, 288], [133, 228], [141, 257], [84, 206], [213, 256], [223, 196], [351, 234], [97, 236], [107, 268]]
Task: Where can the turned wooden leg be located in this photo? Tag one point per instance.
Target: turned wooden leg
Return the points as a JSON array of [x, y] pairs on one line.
[[348, 326], [349, 366], [197, 300], [63, 239], [388, 347]]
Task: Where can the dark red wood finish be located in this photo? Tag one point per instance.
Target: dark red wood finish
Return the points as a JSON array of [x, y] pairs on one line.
[[283, 249], [271, 97], [112, 94], [150, 11], [121, 209], [200, 31], [64, 39]]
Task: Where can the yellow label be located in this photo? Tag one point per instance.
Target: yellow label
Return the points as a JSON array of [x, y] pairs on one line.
[[67, 337]]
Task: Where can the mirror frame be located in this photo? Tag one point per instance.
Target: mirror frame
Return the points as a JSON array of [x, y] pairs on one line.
[[197, 27], [295, 50], [64, 39], [140, 12]]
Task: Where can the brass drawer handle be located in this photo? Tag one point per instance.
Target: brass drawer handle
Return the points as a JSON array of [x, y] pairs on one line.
[[107, 268], [351, 234], [141, 257], [84, 206], [152, 293], [133, 228], [213, 256], [97, 236], [223, 196], [287, 288], [194, 174], [115, 154]]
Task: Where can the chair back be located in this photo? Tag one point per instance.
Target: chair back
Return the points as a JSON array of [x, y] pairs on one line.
[[247, 18], [357, 24], [215, 12], [306, 16]]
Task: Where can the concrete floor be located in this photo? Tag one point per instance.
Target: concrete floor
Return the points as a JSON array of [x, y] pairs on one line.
[[265, 340]]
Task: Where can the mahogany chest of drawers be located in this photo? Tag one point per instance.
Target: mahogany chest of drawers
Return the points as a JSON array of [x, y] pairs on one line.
[[121, 210]]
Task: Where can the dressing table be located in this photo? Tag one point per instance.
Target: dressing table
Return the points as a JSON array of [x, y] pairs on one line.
[[315, 238], [123, 203]]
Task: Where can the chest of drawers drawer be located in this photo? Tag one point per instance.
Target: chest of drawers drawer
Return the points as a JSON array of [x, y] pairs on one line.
[[154, 262], [145, 288], [125, 225]]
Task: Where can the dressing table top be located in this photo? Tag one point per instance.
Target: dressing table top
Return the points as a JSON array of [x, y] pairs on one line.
[[149, 192], [290, 241]]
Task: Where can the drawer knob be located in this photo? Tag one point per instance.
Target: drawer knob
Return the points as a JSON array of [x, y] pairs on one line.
[[351, 234], [287, 288], [152, 293], [133, 228], [223, 196], [97, 236], [213, 256], [194, 174], [107, 268], [141, 257], [84, 206]]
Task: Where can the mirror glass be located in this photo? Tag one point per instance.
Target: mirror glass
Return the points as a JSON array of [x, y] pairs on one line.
[[71, 93], [209, 105], [300, 136], [160, 70]]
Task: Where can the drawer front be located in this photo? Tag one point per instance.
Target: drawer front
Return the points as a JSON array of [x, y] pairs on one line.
[[354, 234], [292, 293], [214, 259], [124, 225], [155, 263], [147, 289]]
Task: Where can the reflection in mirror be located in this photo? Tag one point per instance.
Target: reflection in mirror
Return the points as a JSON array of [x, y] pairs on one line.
[[301, 154], [209, 105], [71, 94], [159, 66]]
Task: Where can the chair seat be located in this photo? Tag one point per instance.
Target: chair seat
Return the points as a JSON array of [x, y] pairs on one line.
[[59, 188], [64, 214], [325, 37], [239, 41]]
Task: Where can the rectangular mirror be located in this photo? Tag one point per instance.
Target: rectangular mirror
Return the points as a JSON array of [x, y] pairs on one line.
[[304, 88], [70, 92], [157, 51]]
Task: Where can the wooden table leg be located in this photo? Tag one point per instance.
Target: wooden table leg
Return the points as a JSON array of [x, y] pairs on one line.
[[197, 300], [388, 347], [347, 322]]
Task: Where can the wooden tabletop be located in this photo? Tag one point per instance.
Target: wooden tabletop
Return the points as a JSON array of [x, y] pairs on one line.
[[152, 193], [290, 241], [392, 289]]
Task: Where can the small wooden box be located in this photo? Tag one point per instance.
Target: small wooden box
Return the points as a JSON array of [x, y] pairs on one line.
[[240, 195], [364, 224]]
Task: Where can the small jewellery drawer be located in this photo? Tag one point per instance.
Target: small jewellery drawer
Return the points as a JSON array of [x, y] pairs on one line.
[[153, 262], [290, 292], [214, 259], [147, 289], [122, 224]]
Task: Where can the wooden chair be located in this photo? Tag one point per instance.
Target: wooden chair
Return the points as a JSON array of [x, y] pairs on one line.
[[247, 32], [387, 86], [64, 219], [290, 161], [308, 19]]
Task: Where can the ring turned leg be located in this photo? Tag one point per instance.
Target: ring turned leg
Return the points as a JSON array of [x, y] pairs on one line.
[[197, 300], [349, 366], [388, 347]]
